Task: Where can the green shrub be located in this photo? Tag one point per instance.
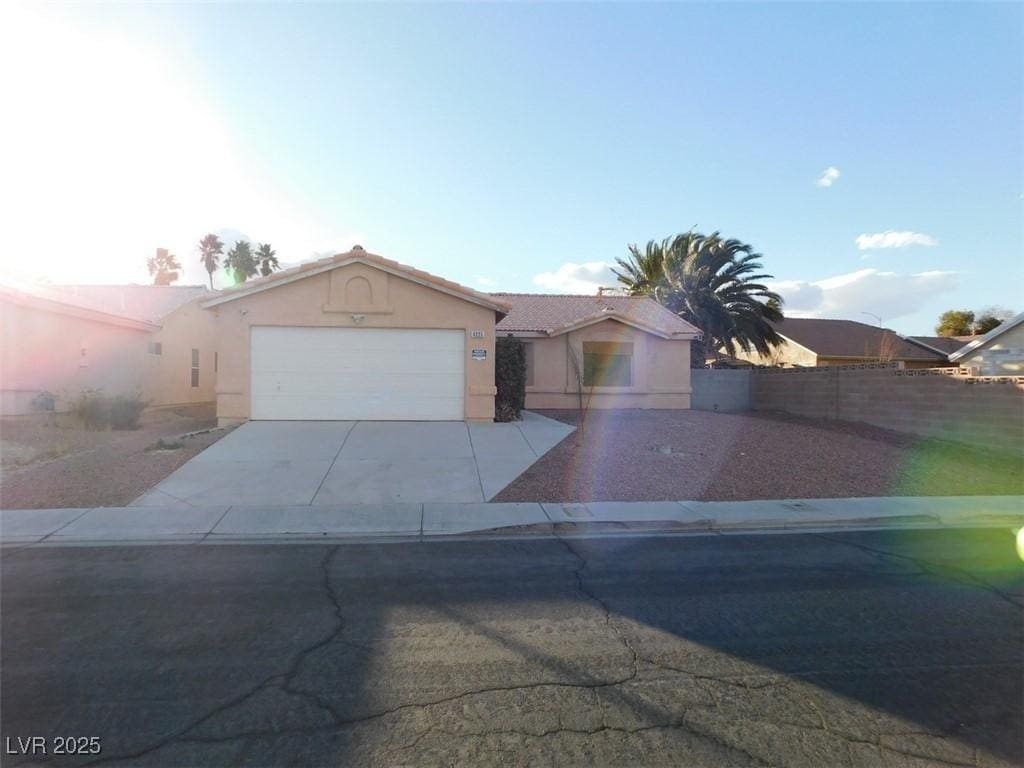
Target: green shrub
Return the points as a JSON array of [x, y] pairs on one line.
[[100, 411], [509, 378]]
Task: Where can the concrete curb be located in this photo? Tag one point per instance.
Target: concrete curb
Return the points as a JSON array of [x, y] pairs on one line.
[[107, 526]]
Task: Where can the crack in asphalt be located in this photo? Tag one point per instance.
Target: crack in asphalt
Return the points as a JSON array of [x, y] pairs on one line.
[[264, 684], [283, 680], [590, 594], [285, 683], [959, 575]]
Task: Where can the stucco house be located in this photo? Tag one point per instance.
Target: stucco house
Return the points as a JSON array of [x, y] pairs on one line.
[[352, 336], [1000, 352], [56, 341], [811, 342], [629, 352]]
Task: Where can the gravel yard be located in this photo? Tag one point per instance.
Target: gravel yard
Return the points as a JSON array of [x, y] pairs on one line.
[[678, 455], [50, 461]]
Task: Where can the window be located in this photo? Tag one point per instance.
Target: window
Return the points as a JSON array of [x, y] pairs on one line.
[[607, 364], [195, 367], [155, 348], [214, 362], [528, 355]]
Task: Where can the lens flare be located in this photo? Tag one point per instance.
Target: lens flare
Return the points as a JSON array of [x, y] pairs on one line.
[[607, 368]]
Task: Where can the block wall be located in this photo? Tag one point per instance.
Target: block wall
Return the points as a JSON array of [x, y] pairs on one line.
[[945, 403]]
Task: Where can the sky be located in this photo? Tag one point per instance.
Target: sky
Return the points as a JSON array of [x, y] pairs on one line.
[[872, 153]]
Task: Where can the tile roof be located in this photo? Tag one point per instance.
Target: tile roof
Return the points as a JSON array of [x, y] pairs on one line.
[[947, 344], [848, 338], [356, 254], [139, 302], [52, 302], [552, 313]]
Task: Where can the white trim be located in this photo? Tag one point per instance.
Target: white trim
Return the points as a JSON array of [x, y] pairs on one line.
[[999, 330], [303, 274]]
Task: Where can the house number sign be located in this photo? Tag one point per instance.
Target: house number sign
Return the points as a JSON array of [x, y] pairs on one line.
[[477, 334]]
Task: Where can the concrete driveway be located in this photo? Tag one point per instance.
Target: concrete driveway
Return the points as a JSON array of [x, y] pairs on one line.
[[362, 462]]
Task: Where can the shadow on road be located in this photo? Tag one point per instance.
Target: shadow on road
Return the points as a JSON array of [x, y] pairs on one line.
[[267, 655]]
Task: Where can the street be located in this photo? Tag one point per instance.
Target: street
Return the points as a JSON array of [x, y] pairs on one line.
[[888, 648]]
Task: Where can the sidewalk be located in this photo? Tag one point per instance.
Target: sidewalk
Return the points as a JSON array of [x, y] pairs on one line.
[[270, 524]]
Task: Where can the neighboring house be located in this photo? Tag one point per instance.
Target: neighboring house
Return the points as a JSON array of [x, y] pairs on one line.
[[353, 336], [619, 351], [946, 345], [60, 340], [1000, 352], [813, 342]]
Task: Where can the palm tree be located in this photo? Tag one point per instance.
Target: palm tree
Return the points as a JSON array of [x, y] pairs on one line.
[[164, 267], [712, 283], [643, 271], [266, 258], [240, 263], [211, 249]]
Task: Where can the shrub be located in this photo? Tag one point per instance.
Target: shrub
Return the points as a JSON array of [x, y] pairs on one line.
[[125, 411], [509, 378], [100, 411], [165, 445]]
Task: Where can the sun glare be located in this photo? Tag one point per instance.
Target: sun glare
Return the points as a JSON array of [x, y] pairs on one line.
[[113, 150], [118, 150]]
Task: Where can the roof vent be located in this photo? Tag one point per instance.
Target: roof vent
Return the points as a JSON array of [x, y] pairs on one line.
[[358, 248]]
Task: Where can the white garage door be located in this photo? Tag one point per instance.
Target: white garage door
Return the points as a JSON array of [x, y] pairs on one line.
[[357, 373]]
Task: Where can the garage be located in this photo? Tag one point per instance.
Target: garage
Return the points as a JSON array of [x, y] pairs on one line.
[[353, 337], [343, 374]]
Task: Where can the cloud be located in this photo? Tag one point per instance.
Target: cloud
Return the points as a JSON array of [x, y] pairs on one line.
[[486, 282], [583, 278], [891, 239], [887, 294], [828, 177]]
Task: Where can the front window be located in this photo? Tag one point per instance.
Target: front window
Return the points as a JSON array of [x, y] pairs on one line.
[[156, 348], [607, 364], [195, 367], [528, 355]]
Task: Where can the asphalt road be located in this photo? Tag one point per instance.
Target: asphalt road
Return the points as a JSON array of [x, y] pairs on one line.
[[861, 649]]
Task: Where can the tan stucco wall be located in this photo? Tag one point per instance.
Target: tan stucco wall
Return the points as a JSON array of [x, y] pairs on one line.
[[661, 370], [168, 376], [42, 351], [330, 299], [1002, 356], [786, 355]]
